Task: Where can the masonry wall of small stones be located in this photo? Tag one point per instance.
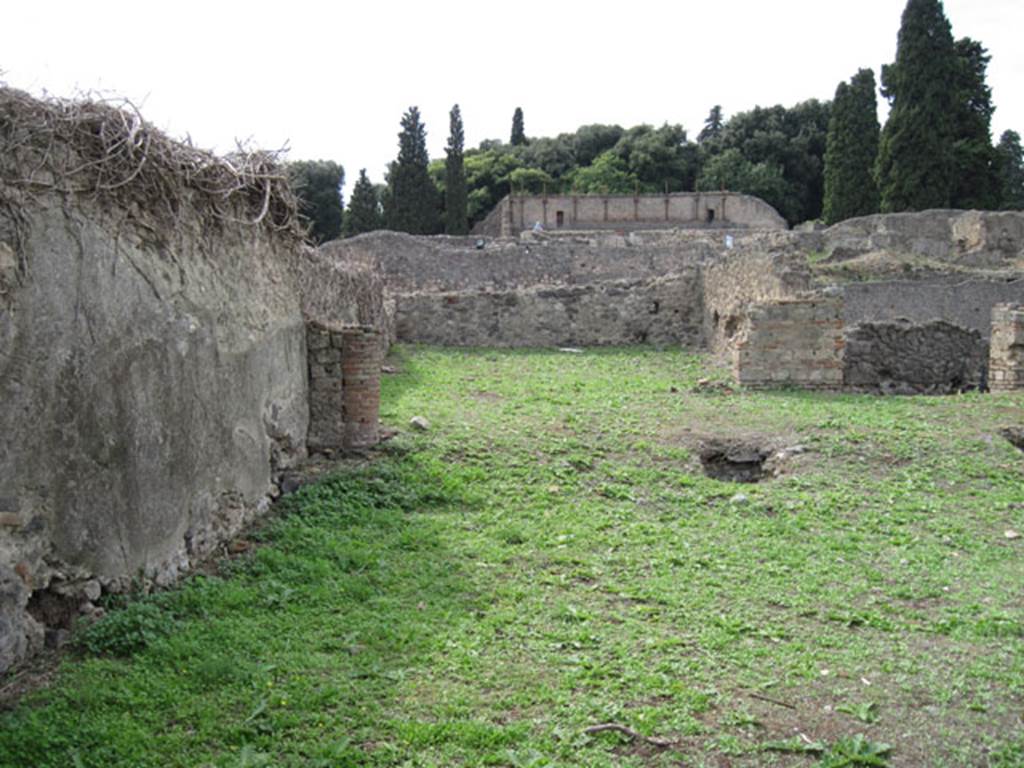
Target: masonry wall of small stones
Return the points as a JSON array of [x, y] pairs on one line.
[[904, 358], [791, 343], [1006, 362]]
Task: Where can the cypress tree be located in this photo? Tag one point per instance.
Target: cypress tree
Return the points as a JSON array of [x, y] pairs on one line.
[[518, 131], [976, 180], [412, 201], [363, 213], [455, 200], [1010, 157], [850, 150], [915, 160]]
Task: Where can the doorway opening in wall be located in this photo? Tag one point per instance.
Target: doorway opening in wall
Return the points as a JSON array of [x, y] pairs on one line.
[[711, 215], [559, 218]]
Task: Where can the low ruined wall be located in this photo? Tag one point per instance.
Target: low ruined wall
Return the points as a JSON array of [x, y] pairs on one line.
[[966, 302], [791, 343], [1006, 361], [152, 362], [907, 358], [573, 288], [655, 311], [990, 239]]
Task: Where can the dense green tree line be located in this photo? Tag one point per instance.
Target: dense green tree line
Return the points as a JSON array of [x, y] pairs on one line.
[[812, 160]]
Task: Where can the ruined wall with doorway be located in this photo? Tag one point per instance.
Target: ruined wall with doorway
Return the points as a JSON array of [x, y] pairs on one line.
[[516, 213]]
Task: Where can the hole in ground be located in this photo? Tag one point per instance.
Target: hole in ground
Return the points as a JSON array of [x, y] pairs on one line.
[[735, 461], [1015, 435]]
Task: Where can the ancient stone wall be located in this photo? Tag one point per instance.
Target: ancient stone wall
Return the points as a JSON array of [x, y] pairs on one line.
[[152, 359], [516, 213], [904, 358], [791, 343], [979, 239], [535, 291], [653, 311], [743, 276], [1006, 361]]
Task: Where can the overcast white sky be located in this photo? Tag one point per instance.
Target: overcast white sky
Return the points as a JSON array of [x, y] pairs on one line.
[[331, 80]]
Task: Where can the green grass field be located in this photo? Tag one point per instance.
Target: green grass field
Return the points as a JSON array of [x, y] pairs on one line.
[[549, 557]]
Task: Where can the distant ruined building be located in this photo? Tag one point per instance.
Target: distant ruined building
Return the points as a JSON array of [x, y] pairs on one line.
[[684, 210]]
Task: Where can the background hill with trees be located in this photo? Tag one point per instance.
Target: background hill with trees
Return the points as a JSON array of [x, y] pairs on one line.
[[812, 160]]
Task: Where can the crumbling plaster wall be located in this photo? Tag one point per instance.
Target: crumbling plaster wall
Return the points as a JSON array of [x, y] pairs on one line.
[[152, 382]]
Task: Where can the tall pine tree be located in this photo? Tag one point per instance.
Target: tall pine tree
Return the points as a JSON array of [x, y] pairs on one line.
[[712, 125], [363, 214], [916, 164], [976, 180], [412, 200], [850, 150], [456, 221], [518, 131]]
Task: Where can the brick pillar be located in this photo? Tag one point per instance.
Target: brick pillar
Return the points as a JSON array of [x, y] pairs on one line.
[[362, 354], [1006, 353], [794, 343], [326, 428]]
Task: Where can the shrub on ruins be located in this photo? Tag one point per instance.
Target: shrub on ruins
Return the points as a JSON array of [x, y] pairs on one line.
[[975, 163], [455, 216], [916, 162], [850, 151], [364, 210], [317, 184], [1010, 168], [412, 204]]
